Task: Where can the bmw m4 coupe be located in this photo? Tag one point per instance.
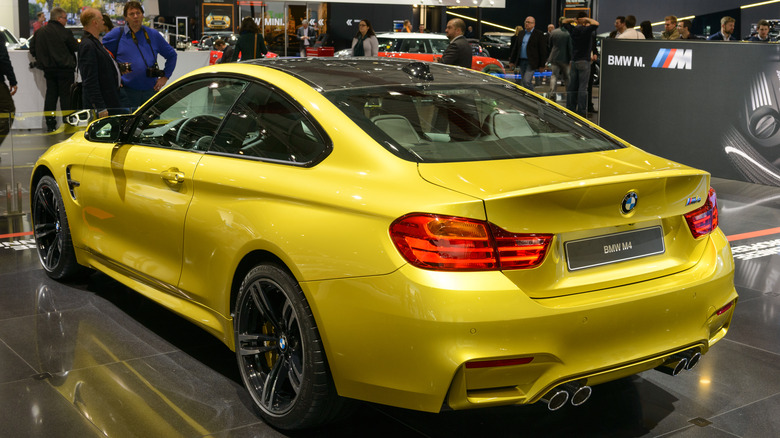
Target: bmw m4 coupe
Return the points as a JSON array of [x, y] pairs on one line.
[[393, 231]]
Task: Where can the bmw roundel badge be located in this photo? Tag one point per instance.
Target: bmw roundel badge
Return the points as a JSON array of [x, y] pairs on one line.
[[629, 202]]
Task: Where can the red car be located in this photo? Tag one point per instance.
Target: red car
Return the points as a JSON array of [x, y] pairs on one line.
[[428, 47]]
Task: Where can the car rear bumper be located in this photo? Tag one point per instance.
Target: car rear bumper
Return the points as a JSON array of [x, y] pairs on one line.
[[403, 339]]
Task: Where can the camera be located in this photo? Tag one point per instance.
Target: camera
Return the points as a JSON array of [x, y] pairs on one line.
[[154, 72], [124, 67]]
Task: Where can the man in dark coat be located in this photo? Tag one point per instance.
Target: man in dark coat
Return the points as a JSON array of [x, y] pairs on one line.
[[529, 53], [459, 51], [54, 49], [99, 72], [7, 108]]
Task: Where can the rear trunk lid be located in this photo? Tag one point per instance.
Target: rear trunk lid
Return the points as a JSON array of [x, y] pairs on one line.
[[578, 198]]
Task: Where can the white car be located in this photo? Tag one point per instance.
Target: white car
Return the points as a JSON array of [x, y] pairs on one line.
[[10, 40]]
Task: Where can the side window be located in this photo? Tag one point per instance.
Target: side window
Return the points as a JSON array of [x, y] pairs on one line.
[[188, 116], [413, 46], [264, 124]]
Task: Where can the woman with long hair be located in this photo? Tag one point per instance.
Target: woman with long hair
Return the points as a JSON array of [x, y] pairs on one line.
[[250, 44], [647, 29], [365, 43]]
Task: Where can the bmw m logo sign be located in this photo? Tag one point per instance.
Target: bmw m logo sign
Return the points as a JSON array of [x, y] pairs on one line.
[[674, 58], [693, 200], [629, 202]]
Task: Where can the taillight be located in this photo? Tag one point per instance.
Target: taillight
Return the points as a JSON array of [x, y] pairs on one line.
[[458, 244], [704, 220]]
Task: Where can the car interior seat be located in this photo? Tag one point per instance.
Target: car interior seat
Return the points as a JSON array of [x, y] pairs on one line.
[[504, 124], [399, 128]]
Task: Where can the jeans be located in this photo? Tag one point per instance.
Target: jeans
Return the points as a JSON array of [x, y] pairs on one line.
[[58, 84], [527, 73], [131, 98], [559, 70], [577, 98], [7, 110]]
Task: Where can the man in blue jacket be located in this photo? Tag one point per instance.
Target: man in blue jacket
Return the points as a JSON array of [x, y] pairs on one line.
[[139, 46]]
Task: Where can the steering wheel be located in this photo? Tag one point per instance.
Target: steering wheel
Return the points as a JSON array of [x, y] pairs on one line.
[[196, 127]]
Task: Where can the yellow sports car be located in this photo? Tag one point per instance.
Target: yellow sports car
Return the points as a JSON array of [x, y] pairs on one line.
[[218, 19], [405, 233]]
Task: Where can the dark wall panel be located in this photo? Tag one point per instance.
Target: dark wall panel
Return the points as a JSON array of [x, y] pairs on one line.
[[681, 101]]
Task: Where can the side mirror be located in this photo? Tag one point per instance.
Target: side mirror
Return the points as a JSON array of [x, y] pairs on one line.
[[107, 129]]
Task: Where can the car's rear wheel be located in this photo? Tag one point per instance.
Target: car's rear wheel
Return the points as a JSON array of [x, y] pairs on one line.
[[52, 233], [280, 353]]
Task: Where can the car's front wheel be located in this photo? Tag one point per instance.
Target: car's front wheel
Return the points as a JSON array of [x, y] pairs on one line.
[[52, 233], [492, 69], [280, 353]]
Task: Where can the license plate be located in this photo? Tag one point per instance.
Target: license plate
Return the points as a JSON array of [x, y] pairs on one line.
[[614, 248]]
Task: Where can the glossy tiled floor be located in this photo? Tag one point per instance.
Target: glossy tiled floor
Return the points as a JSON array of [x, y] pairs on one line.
[[96, 359]]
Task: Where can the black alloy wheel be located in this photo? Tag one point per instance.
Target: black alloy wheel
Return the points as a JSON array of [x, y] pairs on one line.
[[52, 233], [279, 352]]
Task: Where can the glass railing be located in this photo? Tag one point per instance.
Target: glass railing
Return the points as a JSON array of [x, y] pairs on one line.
[[26, 140]]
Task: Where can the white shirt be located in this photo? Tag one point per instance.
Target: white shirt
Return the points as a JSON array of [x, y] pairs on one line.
[[631, 34]]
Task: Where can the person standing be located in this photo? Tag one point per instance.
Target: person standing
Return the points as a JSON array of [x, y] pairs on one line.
[[7, 108], [54, 49], [762, 35], [99, 72], [458, 52], [365, 42], [684, 27], [139, 46], [726, 30], [530, 52], [560, 56], [627, 31], [582, 44], [250, 44], [670, 28], [40, 21], [647, 29], [306, 36], [226, 52]]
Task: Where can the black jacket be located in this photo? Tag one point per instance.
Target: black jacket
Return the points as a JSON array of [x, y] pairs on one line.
[[457, 53], [54, 47], [250, 46], [6, 68], [536, 49], [99, 76]]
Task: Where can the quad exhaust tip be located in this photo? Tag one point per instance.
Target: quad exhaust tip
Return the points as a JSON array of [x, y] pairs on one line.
[[576, 393], [676, 363], [579, 393], [556, 399]]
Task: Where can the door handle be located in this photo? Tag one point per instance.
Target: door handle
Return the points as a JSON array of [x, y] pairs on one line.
[[173, 176]]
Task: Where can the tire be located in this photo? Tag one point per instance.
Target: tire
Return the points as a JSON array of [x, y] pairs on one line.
[[491, 69], [52, 233], [280, 354]]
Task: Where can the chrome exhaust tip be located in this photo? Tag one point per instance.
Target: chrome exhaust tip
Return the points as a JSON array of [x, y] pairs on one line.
[[579, 393], [692, 356], [674, 365], [555, 399]]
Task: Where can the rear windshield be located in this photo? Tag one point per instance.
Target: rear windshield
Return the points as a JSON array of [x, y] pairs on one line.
[[441, 123]]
